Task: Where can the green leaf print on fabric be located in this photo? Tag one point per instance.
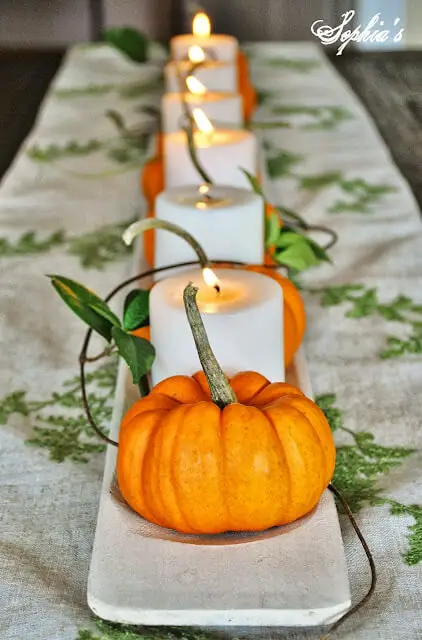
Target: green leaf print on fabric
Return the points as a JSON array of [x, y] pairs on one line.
[[413, 554], [113, 631], [134, 90], [95, 249], [266, 95], [281, 163], [127, 91], [124, 150], [360, 467], [29, 244], [299, 65], [329, 117], [363, 302], [87, 90], [60, 424], [71, 149], [360, 193], [15, 402]]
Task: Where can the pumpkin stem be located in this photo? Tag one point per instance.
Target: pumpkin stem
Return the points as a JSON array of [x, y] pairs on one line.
[[221, 392], [137, 228]]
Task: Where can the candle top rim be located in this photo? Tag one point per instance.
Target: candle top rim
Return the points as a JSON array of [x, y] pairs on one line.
[[205, 38], [218, 135], [257, 289], [227, 194], [207, 64], [208, 95]]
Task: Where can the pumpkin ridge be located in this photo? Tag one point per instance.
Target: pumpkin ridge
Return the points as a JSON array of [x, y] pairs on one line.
[[148, 473], [223, 468], [182, 412], [157, 487], [314, 431], [329, 464], [249, 401], [282, 454], [177, 440]]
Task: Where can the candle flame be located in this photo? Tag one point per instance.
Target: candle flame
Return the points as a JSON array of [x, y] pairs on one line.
[[195, 86], [201, 25], [196, 54], [202, 122], [211, 279]]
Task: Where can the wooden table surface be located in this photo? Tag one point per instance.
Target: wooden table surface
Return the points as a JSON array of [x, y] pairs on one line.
[[389, 84]]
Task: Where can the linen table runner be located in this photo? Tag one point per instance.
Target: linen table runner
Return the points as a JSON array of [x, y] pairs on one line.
[[63, 206]]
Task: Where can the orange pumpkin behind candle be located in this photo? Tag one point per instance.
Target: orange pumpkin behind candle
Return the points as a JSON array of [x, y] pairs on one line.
[[294, 316], [152, 184], [246, 89]]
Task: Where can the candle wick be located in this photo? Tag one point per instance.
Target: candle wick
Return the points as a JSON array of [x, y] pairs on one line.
[[217, 288]]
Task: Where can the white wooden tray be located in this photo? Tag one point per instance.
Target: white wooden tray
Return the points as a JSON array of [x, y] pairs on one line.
[[141, 574]]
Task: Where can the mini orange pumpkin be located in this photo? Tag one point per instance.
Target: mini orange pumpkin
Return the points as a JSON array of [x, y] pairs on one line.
[[209, 457], [246, 88]]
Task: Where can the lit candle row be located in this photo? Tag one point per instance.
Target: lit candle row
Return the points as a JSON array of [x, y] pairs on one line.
[[244, 318]]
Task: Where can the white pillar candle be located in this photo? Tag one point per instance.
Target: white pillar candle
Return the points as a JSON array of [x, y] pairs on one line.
[[225, 109], [218, 46], [227, 222], [216, 76], [244, 323], [222, 153]]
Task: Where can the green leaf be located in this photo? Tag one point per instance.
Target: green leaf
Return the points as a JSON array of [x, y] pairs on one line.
[[319, 252], [289, 213], [137, 352], [86, 305], [104, 310], [129, 41], [299, 256], [253, 181], [136, 309], [301, 252], [287, 238], [272, 230]]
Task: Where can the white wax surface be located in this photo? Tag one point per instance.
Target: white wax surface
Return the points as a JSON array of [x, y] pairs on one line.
[[245, 331], [222, 154], [218, 46], [223, 109], [216, 76], [229, 227]]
